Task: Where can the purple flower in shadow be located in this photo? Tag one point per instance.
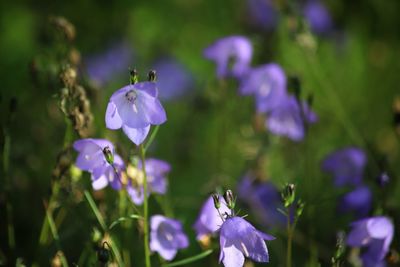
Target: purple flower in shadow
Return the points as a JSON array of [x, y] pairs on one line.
[[318, 17], [375, 234], [289, 119], [173, 79], [167, 236], [134, 108], [92, 158], [263, 199], [105, 66], [235, 50], [346, 165], [157, 171], [267, 83], [209, 221], [262, 13], [358, 201], [239, 239]]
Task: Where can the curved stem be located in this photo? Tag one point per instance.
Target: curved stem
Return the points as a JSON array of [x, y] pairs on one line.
[[145, 209], [289, 241]]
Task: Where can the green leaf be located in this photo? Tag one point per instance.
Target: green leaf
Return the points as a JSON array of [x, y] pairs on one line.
[[122, 219], [190, 259]]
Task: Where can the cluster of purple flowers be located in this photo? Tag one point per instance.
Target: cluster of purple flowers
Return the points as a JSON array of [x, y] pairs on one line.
[[264, 14], [347, 167], [287, 115]]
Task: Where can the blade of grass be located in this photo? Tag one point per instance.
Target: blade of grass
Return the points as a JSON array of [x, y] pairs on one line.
[[189, 260]]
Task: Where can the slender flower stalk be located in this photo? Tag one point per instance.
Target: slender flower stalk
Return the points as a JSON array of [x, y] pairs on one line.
[[145, 208], [289, 230]]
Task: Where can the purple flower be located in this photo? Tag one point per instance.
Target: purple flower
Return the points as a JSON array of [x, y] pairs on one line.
[[264, 200], [236, 48], [103, 67], [267, 83], [156, 171], [134, 108], [375, 235], [318, 17], [289, 119], [383, 179], [238, 239], [92, 158], [209, 221], [263, 13], [167, 236], [359, 201], [173, 79], [346, 165]]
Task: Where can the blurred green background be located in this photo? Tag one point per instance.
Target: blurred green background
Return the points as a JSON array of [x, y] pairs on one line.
[[209, 138]]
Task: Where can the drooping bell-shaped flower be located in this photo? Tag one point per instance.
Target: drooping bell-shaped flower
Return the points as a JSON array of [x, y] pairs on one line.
[[290, 119], [167, 236], [318, 17], [156, 170], [346, 165], [231, 54], [267, 83], [375, 234], [134, 108], [239, 239], [263, 14], [209, 220], [358, 201], [97, 157]]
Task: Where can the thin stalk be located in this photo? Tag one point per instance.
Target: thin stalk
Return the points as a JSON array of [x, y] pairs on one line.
[[103, 225], [145, 209], [151, 138], [6, 167], [289, 230]]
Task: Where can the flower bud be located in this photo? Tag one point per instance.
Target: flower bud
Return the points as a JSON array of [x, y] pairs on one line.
[[217, 203], [229, 199], [103, 254], [152, 76], [299, 208], [134, 77], [383, 179], [288, 195], [108, 155]]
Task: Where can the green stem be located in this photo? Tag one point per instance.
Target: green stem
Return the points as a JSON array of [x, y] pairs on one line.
[[103, 225], [151, 138], [289, 241], [189, 260], [6, 166], [145, 208]]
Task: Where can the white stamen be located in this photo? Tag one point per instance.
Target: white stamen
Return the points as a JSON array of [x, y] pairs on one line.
[[245, 251]]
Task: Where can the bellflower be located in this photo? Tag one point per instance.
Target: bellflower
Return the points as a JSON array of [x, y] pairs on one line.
[[346, 165], [167, 236], [289, 119], [318, 17], [92, 158], [358, 201], [264, 200], [263, 13], [236, 48], [105, 66], [375, 234], [209, 221], [239, 239], [134, 108], [173, 79], [267, 83], [156, 171]]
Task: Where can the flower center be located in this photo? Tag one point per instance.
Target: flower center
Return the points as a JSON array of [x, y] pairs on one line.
[[131, 96]]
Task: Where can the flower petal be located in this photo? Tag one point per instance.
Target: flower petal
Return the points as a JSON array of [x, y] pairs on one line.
[[136, 135], [113, 120], [232, 257]]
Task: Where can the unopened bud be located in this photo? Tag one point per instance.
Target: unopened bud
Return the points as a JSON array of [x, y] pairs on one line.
[[134, 77], [103, 254], [383, 179], [288, 195], [152, 76], [217, 203], [108, 155], [229, 199], [299, 208]]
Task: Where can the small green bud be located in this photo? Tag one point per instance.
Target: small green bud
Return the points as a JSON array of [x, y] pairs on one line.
[[288, 195], [134, 77], [152, 77], [299, 209], [229, 199], [217, 203], [108, 155]]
